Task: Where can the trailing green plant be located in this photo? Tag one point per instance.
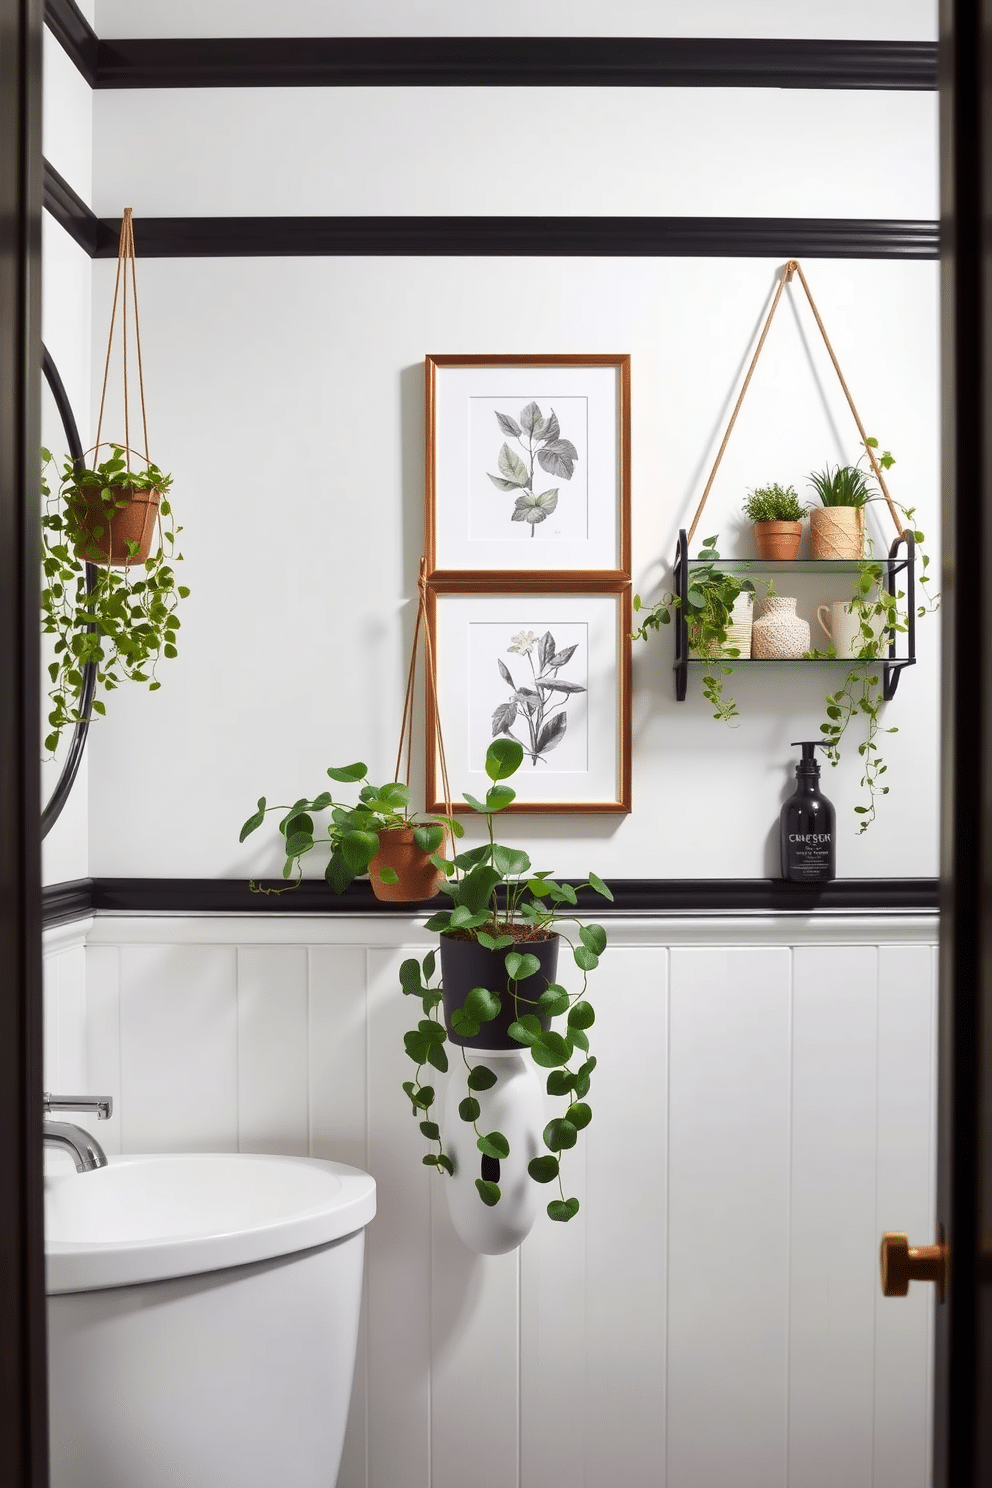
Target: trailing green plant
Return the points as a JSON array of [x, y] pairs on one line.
[[774, 503], [500, 902], [126, 622], [352, 830], [860, 695], [711, 596]]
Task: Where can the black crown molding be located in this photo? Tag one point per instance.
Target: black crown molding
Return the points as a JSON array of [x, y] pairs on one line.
[[490, 61], [482, 237], [632, 896]]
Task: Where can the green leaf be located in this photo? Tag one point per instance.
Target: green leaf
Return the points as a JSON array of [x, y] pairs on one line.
[[253, 821], [579, 1039], [593, 937], [437, 1057], [349, 773], [387, 875], [595, 882], [431, 1130], [585, 958], [550, 1049], [476, 887], [473, 857], [494, 1144], [526, 1030], [358, 849], [428, 838], [498, 797], [563, 1210], [560, 1135], [579, 1115], [560, 1081], [469, 1109], [552, 1002], [510, 862], [462, 918], [503, 758], [519, 967], [429, 963], [582, 1015], [488, 1192], [543, 1169], [481, 1077], [337, 873], [464, 1024], [444, 1161], [440, 920], [482, 1005], [410, 977], [493, 943]]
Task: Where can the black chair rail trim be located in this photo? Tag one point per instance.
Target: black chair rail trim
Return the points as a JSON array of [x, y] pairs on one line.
[[632, 896], [492, 237], [489, 61]]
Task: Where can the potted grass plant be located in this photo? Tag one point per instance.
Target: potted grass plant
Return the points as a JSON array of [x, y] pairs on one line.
[[498, 991], [377, 835], [778, 520], [837, 525]]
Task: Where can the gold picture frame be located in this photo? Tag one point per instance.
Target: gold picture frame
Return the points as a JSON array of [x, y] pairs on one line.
[[499, 427], [547, 662]]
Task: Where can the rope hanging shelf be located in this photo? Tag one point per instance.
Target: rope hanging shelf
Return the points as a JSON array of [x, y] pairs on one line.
[[895, 565]]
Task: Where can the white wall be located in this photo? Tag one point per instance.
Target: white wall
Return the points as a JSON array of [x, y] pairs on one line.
[[764, 1108], [902, 20], [66, 308]]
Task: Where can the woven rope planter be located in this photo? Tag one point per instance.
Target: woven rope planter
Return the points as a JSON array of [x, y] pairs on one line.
[[837, 531]]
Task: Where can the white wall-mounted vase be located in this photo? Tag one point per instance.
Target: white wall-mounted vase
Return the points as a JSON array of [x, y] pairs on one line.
[[515, 1107], [779, 634]]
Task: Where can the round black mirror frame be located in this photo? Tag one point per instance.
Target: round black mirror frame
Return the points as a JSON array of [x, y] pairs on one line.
[[77, 744]]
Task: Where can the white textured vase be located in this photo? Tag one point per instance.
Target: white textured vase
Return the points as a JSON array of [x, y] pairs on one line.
[[779, 633]]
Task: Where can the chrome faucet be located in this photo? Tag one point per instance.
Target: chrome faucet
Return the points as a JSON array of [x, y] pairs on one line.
[[85, 1150]]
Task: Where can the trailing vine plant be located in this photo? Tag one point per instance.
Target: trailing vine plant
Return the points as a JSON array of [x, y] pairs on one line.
[[711, 597], [126, 622], [500, 902], [879, 615]]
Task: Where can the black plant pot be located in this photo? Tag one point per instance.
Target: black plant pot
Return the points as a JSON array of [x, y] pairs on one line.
[[465, 964]]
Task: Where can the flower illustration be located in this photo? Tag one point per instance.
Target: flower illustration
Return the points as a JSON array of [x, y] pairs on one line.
[[539, 709], [523, 642]]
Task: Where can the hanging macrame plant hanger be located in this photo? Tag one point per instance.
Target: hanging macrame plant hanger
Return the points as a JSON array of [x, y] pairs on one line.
[[893, 566]]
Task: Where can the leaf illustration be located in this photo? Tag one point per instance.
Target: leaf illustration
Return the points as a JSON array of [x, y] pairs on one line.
[[552, 733], [558, 458], [527, 699], [531, 508], [532, 420], [512, 467], [504, 672], [551, 430], [503, 718], [509, 425], [558, 684], [560, 657], [546, 648], [501, 484]]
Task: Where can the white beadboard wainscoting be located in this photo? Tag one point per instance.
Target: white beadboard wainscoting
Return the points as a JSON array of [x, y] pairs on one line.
[[764, 1108]]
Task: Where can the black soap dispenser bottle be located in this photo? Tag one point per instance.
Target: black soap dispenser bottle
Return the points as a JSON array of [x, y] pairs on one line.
[[807, 824]]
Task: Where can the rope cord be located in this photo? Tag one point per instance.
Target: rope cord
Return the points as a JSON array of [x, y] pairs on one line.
[[794, 267], [406, 726], [125, 252]]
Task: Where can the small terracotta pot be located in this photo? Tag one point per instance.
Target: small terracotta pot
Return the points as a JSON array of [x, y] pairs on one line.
[[837, 531], [418, 878], [778, 539], [132, 523]]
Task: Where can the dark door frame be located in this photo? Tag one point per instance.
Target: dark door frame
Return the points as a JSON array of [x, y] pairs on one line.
[[963, 1369], [23, 1382]]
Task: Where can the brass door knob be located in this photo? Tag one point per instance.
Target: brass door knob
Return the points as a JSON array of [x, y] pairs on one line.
[[902, 1263]]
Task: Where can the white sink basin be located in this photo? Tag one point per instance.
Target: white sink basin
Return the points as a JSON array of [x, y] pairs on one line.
[[147, 1218]]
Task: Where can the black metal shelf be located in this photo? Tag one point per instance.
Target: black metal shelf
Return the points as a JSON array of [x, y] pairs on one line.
[[895, 563]]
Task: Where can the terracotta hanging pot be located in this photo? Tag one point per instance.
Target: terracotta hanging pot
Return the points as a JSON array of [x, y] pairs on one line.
[[778, 539], [837, 531], [111, 531], [416, 874]]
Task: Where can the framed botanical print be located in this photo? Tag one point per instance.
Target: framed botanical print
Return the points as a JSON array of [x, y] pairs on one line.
[[548, 667], [528, 467]]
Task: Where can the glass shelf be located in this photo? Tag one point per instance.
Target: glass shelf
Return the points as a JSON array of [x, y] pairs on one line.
[[805, 661], [793, 565]]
